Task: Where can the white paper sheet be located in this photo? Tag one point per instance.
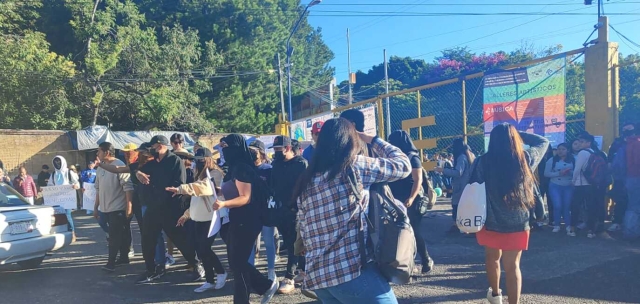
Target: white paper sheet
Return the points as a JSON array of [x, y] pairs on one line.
[[216, 223], [64, 196], [88, 196]]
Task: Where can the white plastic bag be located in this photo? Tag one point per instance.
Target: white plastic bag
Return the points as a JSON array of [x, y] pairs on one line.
[[472, 209]]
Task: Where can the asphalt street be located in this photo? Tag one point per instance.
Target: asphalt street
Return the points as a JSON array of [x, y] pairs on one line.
[[556, 269]]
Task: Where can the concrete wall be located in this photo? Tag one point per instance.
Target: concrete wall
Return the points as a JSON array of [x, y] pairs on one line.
[[34, 148]]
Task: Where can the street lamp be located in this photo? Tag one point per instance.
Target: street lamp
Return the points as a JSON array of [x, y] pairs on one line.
[[290, 52]]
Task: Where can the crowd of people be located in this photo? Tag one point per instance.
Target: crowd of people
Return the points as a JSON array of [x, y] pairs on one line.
[[308, 198]]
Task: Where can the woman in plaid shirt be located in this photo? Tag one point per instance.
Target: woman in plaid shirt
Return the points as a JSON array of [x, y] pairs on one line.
[[328, 213]]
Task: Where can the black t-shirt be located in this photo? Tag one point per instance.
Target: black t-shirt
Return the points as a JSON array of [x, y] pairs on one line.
[[402, 189], [169, 172], [248, 214]]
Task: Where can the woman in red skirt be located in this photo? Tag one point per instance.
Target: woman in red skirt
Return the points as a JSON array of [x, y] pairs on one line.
[[507, 171]]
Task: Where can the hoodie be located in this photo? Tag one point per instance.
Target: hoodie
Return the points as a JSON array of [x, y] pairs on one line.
[[284, 177], [62, 176]]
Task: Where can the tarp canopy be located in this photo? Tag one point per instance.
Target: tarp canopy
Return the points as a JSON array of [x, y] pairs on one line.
[[90, 137]]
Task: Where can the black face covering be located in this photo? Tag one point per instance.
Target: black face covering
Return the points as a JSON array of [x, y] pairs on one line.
[[237, 151], [627, 133], [278, 155], [57, 163], [199, 166], [154, 153]]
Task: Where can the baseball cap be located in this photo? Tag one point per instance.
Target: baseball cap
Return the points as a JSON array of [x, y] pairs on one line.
[[144, 147], [130, 147], [317, 126], [159, 139], [203, 152], [257, 144], [281, 141]]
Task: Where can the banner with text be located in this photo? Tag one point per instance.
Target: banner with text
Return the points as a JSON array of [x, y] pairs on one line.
[[88, 196], [64, 196], [532, 99]]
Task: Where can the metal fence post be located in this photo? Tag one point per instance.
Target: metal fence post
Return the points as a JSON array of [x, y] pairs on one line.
[[380, 118], [464, 110], [419, 99]]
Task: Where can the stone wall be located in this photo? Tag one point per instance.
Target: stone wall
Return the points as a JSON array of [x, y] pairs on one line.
[[33, 148]]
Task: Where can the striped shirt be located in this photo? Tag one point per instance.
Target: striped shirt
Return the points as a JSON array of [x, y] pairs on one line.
[[328, 215]]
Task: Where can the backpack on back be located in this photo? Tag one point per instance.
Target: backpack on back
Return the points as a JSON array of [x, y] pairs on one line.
[[262, 194], [391, 242], [597, 171], [633, 156]]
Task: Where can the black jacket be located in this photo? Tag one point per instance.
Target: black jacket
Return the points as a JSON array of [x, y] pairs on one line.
[[169, 172], [284, 176]]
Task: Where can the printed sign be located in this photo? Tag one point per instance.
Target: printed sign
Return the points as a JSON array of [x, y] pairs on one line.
[[532, 99], [369, 121], [301, 129], [88, 196], [64, 196]]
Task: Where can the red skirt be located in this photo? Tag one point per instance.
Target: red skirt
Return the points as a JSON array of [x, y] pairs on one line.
[[503, 241]]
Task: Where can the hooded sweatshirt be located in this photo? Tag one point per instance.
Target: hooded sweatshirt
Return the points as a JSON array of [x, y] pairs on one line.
[[62, 176], [284, 177]]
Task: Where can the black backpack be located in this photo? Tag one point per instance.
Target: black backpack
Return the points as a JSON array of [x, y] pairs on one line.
[[391, 242], [262, 194]]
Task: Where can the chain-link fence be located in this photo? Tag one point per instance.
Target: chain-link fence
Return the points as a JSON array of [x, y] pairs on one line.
[[458, 107], [628, 70]]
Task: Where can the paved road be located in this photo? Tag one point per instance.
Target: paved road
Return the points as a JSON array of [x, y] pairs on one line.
[[556, 269]]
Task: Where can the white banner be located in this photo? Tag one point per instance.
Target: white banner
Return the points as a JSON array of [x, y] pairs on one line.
[[64, 196], [301, 129], [89, 196], [369, 121]]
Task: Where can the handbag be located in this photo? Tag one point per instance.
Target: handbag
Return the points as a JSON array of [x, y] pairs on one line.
[[472, 209]]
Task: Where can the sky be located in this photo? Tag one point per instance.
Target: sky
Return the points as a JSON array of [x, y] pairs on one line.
[[423, 28]]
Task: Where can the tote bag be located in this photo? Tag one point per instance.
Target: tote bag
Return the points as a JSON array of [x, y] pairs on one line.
[[472, 209]]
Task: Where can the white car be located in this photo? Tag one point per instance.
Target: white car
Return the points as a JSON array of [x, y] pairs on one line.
[[28, 232]]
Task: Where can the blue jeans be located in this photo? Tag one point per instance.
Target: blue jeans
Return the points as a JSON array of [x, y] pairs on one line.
[[270, 245], [369, 288], [160, 247], [561, 197], [70, 219], [631, 224]]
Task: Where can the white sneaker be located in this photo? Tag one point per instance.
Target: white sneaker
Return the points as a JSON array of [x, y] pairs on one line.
[[287, 286], [570, 232], [221, 279], [266, 298], [272, 274], [556, 229], [614, 228], [206, 286], [299, 278], [582, 226], [494, 300], [591, 235], [169, 260]]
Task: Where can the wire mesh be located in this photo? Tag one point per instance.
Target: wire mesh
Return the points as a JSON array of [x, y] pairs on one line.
[[629, 74]]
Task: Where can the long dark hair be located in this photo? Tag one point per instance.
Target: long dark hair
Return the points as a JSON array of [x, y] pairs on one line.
[[506, 169], [567, 159], [336, 149], [460, 148]]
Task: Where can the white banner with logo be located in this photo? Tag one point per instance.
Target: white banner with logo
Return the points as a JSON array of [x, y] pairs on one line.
[[64, 196]]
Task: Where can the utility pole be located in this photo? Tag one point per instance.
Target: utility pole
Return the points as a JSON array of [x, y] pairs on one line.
[[284, 115], [349, 67], [386, 90]]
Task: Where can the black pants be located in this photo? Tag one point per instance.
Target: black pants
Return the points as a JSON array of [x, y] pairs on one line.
[[137, 211], [593, 199], [288, 230], [119, 235], [416, 219], [198, 234], [619, 196], [246, 277], [155, 221]]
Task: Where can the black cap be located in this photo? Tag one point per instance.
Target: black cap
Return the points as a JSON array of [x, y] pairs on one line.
[[144, 147], [281, 141], [203, 152], [258, 145], [159, 139]]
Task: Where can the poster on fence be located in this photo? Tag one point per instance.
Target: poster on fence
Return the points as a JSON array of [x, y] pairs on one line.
[[64, 196], [532, 99], [88, 196], [301, 129], [369, 121]]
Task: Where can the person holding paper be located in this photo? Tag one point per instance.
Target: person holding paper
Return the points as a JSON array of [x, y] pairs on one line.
[[114, 194], [61, 175], [201, 215]]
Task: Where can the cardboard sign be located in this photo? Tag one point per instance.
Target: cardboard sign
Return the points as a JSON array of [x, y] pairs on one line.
[[64, 196], [89, 196]]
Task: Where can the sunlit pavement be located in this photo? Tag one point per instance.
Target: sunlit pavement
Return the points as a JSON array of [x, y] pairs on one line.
[[556, 269]]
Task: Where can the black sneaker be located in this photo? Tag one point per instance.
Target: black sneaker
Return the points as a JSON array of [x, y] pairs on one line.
[[110, 267], [160, 271], [428, 267], [147, 277], [197, 273], [122, 261]]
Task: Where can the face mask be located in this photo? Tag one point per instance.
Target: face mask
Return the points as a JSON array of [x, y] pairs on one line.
[[154, 153], [199, 167], [279, 155], [627, 133]]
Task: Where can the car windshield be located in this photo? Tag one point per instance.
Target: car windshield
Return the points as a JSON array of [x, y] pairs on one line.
[[9, 197]]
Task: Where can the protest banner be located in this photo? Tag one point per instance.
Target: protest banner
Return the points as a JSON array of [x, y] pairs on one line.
[[64, 196], [88, 196]]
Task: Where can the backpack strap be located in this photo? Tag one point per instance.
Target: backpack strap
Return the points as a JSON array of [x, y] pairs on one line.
[[353, 184]]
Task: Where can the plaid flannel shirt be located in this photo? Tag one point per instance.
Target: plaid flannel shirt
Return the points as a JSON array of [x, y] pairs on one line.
[[328, 215]]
